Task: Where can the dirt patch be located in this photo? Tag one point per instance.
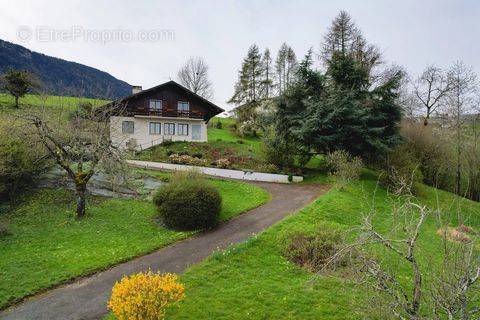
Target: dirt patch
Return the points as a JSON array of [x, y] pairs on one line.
[[461, 233]]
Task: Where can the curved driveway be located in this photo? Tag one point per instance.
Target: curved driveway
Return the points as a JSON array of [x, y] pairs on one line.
[[87, 297]]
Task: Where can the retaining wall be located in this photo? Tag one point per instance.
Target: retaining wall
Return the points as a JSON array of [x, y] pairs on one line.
[[217, 172]]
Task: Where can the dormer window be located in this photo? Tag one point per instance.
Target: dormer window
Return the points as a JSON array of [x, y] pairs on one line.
[[183, 107], [155, 105]]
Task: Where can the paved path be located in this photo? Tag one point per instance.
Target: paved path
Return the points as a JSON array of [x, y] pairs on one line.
[[86, 298]]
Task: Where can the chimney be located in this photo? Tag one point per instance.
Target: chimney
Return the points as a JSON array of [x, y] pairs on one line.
[[136, 89]]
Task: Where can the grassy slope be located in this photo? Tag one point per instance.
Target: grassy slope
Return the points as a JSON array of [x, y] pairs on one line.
[[48, 245], [70, 103], [254, 281], [222, 143]]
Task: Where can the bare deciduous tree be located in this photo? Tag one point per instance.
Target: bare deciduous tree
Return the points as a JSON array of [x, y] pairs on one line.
[[431, 89], [460, 101], [194, 76], [442, 281], [78, 146]]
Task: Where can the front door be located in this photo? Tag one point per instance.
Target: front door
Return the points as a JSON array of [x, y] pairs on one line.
[[196, 132]]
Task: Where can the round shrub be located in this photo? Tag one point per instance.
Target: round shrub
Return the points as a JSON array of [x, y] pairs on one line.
[[188, 203]]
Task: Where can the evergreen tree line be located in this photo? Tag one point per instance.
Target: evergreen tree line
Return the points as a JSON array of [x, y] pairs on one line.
[[263, 77], [350, 104]]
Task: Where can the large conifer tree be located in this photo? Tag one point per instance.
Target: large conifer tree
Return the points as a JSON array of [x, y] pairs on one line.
[[343, 108], [248, 86]]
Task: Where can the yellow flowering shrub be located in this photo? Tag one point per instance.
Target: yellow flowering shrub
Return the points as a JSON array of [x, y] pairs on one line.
[[145, 296]]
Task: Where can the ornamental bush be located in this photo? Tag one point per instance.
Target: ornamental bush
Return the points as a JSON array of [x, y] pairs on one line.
[[223, 163], [145, 296], [189, 202], [186, 159]]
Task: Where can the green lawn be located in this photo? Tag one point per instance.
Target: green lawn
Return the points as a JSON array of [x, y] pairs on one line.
[[243, 153], [70, 103], [254, 281], [49, 246]]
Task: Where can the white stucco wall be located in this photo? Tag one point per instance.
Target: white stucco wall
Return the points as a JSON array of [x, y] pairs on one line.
[[142, 136]]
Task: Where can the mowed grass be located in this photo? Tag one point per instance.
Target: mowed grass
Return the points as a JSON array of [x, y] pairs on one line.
[[49, 246], [243, 153], [254, 281], [71, 103]]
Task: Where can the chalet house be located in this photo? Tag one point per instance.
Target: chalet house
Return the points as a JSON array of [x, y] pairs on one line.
[[166, 112]]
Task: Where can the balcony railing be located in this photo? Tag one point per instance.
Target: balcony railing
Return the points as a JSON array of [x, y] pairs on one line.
[[170, 113]]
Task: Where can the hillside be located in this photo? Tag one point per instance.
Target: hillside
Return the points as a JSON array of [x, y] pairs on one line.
[[61, 77]]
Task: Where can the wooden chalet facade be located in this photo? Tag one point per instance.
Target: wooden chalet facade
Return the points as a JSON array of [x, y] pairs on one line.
[[166, 112]]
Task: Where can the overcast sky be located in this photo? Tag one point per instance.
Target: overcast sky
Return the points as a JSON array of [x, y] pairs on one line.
[[411, 33]]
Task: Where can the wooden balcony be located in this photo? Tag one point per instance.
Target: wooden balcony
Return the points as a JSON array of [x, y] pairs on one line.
[[169, 113]]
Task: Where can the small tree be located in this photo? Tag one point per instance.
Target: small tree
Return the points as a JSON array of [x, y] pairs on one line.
[[18, 83], [78, 146], [431, 89]]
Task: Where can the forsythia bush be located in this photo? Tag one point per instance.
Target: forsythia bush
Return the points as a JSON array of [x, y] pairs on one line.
[[145, 296]]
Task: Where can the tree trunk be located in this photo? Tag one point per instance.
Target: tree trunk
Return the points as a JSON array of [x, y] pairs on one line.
[[81, 190], [16, 102]]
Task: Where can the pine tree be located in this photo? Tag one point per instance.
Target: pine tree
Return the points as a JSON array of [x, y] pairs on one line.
[[285, 67], [287, 142], [267, 77], [280, 67], [248, 86], [291, 66], [345, 38], [350, 115]]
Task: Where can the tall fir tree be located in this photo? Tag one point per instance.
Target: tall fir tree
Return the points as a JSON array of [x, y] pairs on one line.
[[345, 38], [350, 115], [248, 87], [285, 66], [267, 77], [287, 143]]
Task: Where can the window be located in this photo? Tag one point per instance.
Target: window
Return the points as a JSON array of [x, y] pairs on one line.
[[183, 106], [182, 129], [127, 127], [169, 129], [155, 128], [155, 104]]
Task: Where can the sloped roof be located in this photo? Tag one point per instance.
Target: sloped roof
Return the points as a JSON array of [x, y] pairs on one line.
[[213, 106]]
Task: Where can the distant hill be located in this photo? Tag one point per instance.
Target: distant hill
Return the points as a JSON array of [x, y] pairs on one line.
[[61, 77]]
